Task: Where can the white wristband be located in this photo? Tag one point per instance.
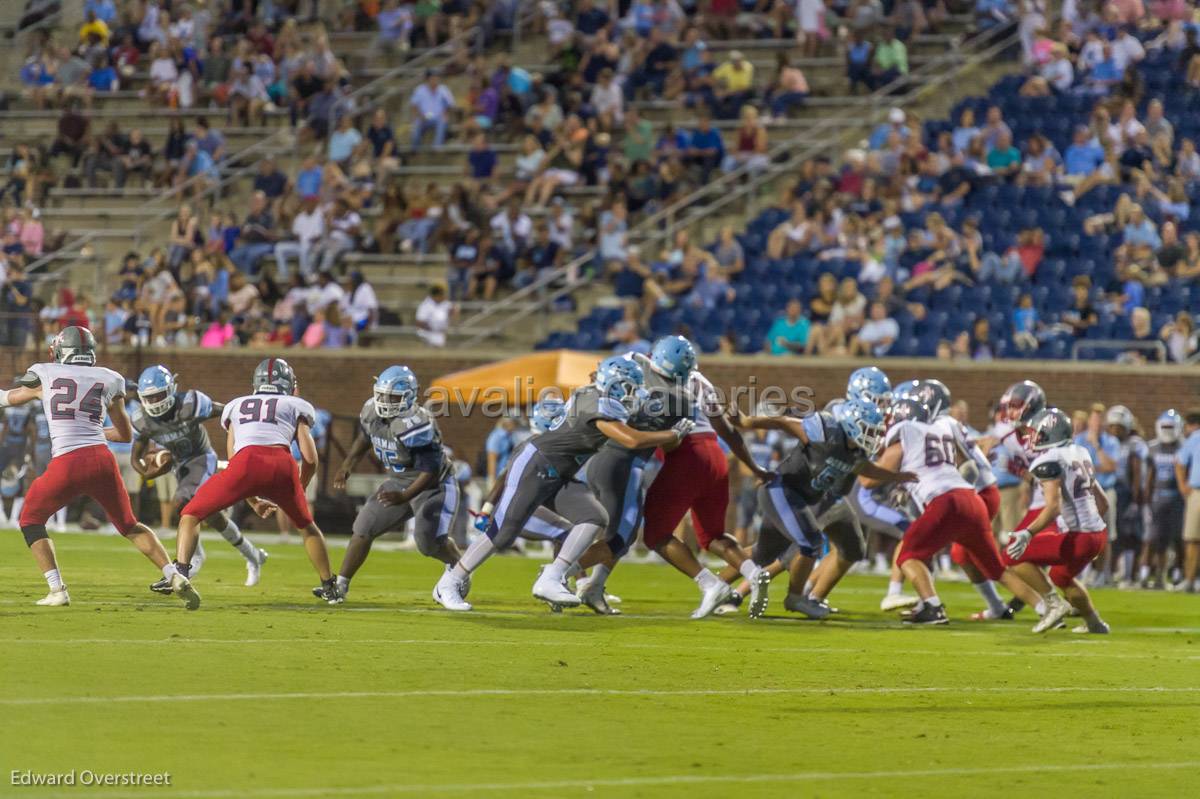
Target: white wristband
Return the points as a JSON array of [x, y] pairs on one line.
[[3, 398], [487, 509]]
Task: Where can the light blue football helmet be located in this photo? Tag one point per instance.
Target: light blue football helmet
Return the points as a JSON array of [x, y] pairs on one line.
[[673, 357], [862, 422], [395, 392], [547, 414], [870, 383], [1168, 428], [156, 390], [621, 379]]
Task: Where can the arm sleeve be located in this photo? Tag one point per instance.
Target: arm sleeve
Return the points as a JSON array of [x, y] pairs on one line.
[[814, 427]]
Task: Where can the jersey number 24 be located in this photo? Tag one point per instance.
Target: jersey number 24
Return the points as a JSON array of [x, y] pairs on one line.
[[63, 395]]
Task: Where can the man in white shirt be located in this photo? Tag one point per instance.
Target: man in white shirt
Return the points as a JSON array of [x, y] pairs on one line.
[[877, 334], [307, 229], [364, 305], [326, 293], [431, 103], [433, 317], [512, 230], [342, 225]]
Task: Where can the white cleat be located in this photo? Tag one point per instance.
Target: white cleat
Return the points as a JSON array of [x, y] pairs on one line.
[[1056, 610], [759, 584], [727, 609], [898, 602], [612, 599], [555, 592], [1083, 629], [449, 593], [56, 599], [713, 598], [591, 593], [254, 568], [182, 588]]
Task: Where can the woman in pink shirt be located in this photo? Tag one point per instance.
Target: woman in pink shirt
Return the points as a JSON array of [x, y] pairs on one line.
[[218, 334], [32, 233]]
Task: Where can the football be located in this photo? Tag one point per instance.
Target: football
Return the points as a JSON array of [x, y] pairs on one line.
[[161, 458]]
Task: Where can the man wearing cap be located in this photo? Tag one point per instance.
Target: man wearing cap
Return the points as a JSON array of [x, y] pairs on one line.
[[734, 84], [895, 122], [431, 103]]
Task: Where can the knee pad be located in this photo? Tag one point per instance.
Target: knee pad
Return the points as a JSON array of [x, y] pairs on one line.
[[33, 533]]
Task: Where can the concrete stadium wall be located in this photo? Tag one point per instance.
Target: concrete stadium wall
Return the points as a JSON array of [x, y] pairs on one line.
[[341, 380]]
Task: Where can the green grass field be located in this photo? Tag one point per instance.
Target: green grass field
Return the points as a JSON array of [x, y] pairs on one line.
[[266, 693]]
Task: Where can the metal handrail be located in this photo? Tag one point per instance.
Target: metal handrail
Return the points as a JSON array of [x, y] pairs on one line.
[[272, 141], [722, 185], [1119, 344]]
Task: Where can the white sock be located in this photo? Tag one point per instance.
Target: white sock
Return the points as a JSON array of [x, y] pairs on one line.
[[1144, 573], [53, 579], [574, 570], [169, 571], [480, 550], [748, 568], [706, 579], [576, 543], [1040, 608], [895, 587], [600, 575], [987, 590], [881, 562], [233, 534], [934, 601], [343, 584], [808, 586]]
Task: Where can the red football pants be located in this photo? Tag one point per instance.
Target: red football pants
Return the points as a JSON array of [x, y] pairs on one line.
[[958, 516], [1067, 554], [85, 472], [695, 477], [267, 472]]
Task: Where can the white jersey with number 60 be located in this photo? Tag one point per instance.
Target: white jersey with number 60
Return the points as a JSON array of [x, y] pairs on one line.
[[76, 399], [266, 420], [931, 452]]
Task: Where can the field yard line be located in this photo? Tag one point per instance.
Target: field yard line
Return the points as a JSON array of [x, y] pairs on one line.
[[816, 650], [1023, 769], [633, 692]]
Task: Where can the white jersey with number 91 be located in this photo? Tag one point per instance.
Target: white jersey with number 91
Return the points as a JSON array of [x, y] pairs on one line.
[[75, 398], [931, 452], [266, 420]]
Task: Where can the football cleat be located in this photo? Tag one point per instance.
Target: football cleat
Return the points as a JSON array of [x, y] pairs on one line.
[[55, 599], [759, 585], [163, 586], [254, 568], [591, 594], [927, 615], [555, 592], [813, 608], [329, 592], [716, 595], [1101, 629], [182, 588], [1056, 610], [898, 602], [987, 615], [449, 593]]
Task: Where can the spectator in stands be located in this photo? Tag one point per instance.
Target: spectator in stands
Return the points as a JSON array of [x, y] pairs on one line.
[[625, 338], [308, 226], [185, 237], [658, 57], [889, 61], [859, 60], [256, 239], [790, 332], [511, 232], [395, 27], [383, 145], [362, 303], [434, 317], [608, 102], [1003, 158], [877, 335], [72, 138], [706, 149], [482, 160], [248, 96], [343, 226], [1180, 337], [431, 104], [733, 85], [1042, 165], [750, 150]]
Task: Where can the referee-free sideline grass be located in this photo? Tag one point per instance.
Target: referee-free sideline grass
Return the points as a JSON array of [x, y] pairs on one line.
[[264, 692]]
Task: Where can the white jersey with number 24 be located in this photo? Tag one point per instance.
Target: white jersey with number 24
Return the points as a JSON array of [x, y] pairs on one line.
[[75, 398], [266, 420]]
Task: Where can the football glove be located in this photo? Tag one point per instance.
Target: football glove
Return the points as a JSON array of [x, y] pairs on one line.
[[1017, 542], [484, 517], [682, 428]]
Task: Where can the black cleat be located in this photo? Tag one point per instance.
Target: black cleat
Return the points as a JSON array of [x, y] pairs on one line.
[[163, 586], [329, 592], [928, 614]]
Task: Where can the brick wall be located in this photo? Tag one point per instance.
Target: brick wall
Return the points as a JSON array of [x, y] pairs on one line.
[[341, 381]]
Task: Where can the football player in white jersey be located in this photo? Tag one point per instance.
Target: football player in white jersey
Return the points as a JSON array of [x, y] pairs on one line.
[[76, 394], [951, 512], [260, 430], [1064, 470]]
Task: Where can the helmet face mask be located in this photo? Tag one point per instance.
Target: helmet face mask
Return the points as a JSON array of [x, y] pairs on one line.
[[1169, 427], [621, 379], [547, 415], [863, 423], [156, 391], [395, 392]]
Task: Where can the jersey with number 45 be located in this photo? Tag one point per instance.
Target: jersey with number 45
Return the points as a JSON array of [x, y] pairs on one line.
[[406, 445], [930, 451], [75, 399], [266, 420], [1072, 466]]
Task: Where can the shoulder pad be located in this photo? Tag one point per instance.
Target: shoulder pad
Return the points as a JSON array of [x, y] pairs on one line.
[[609, 408], [1048, 470], [138, 417], [29, 380]]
